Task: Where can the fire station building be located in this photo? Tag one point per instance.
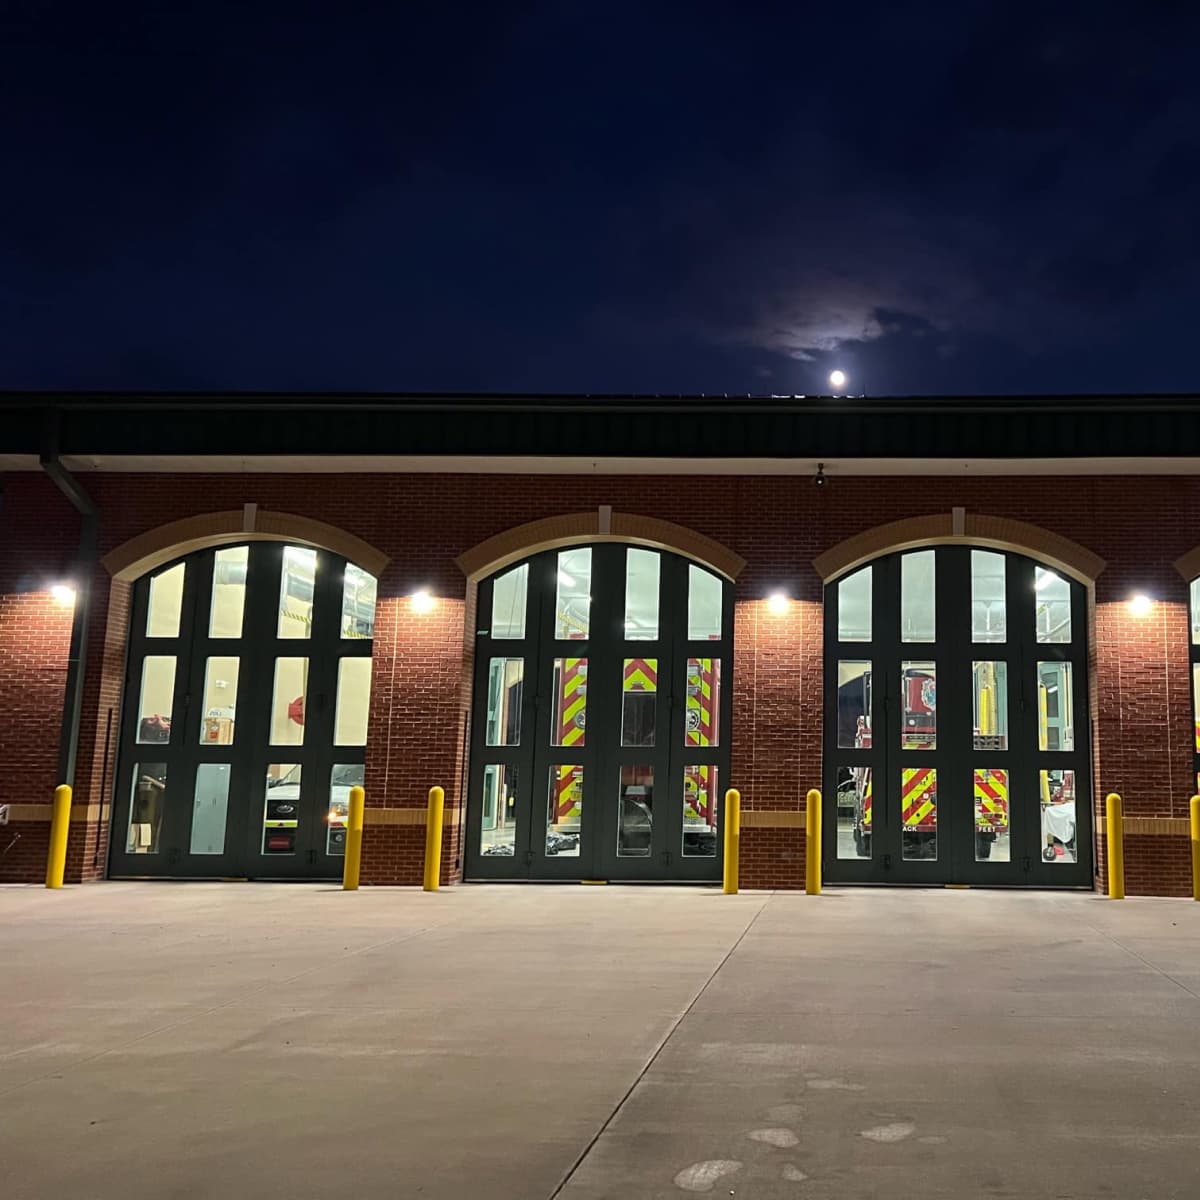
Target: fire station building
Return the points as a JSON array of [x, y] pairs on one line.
[[965, 620]]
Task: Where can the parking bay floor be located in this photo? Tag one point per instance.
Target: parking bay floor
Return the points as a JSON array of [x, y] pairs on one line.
[[200, 1040]]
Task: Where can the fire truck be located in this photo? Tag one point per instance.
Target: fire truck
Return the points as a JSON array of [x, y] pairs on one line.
[[918, 784]]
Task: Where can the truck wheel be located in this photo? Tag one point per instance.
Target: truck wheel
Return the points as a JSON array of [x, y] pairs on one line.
[[1048, 854], [864, 846], [983, 846]]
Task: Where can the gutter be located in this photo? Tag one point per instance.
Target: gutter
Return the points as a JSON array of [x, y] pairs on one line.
[[82, 570]]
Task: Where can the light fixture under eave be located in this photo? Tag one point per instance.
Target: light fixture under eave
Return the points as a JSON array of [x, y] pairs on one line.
[[1140, 605], [422, 601], [64, 594], [777, 604]]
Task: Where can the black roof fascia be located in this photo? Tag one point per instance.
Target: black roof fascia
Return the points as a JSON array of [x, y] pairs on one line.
[[694, 427]]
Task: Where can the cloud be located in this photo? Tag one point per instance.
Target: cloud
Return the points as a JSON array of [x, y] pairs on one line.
[[847, 276], [819, 320]]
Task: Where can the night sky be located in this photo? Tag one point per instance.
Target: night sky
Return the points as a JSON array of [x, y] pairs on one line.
[[690, 197]]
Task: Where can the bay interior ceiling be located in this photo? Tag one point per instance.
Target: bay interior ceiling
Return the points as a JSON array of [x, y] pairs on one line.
[[244, 432]]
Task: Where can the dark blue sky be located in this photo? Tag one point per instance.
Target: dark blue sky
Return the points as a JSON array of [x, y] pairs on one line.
[[682, 197]]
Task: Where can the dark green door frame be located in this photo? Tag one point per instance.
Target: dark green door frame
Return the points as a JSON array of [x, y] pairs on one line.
[[652, 850], [963, 855], [245, 853]]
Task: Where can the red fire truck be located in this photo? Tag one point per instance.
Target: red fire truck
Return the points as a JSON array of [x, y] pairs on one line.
[[918, 783]]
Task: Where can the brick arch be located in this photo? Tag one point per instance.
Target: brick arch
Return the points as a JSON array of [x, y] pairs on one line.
[[165, 543], [569, 529], [1000, 533]]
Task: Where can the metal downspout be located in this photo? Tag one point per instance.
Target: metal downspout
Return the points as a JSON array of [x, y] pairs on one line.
[[82, 570]]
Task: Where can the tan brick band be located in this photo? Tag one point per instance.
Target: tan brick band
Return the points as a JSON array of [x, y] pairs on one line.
[[406, 816], [90, 813], [1134, 826], [1157, 826], [765, 818], [568, 529], [1002, 533], [761, 818], [80, 813]]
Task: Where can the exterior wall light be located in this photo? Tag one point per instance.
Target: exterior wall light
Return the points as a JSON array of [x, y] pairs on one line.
[[1140, 605], [422, 601], [64, 595], [777, 604]]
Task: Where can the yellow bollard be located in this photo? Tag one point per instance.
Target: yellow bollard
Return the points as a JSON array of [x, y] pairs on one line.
[[433, 838], [812, 844], [1116, 848], [733, 839], [60, 825], [1196, 847], [354, 831]]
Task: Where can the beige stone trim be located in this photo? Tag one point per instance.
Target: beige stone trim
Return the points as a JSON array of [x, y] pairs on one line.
[[1189, 565], [1157, 826], [666, 535], [152, 549], [765, 818], [1002, 533], [1005, 534], [81, 814], [91, 813], [569, 529], [404, 816]]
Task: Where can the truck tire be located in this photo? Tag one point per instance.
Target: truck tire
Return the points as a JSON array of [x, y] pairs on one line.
[[863, 845], [983, 845]]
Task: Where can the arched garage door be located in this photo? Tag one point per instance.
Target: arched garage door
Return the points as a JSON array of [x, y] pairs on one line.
[[601, 718], [244, 721], [956, 722]]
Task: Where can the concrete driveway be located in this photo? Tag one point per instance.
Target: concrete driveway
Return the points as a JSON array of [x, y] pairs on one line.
[[224, 1040]]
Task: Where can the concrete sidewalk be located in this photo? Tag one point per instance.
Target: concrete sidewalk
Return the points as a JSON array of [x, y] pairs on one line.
[[196, 1040]]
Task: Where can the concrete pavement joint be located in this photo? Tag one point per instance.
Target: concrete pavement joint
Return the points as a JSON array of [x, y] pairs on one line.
[[1143, 960], [239, 998], [653, 1058]]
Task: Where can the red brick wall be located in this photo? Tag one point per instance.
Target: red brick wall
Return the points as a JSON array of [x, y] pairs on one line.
[[39, 533], [778, 524]]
